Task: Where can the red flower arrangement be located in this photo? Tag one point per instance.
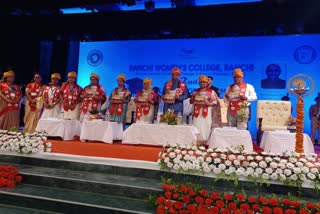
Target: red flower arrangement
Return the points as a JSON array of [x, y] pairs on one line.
[[185, 199], [9, 176]]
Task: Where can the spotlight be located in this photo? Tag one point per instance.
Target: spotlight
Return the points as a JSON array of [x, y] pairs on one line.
[[149, 5]]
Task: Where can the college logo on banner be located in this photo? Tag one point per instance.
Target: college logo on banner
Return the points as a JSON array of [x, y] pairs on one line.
[[95, 58], [305, 54]]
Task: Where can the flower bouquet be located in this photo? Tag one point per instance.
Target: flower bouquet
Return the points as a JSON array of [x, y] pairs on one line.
[[169, 117], [24, 143]]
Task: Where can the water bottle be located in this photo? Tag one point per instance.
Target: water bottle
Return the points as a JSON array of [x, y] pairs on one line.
[[107, 115], [179, 118]]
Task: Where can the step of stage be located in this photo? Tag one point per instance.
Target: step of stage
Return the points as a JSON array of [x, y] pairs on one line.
[[6, 209], [68, 201]]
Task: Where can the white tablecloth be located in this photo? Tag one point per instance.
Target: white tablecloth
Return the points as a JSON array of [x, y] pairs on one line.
[[97, 130], [160, 134], [282, 141], [230, 137], [66, 129]]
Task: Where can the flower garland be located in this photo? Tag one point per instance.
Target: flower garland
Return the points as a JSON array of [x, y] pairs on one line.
[[288, 168], [24, 143], [186, 199], [299, 126], [9, 176]]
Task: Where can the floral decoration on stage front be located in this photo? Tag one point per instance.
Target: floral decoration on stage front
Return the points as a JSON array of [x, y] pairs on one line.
[[169, 117], [9, 176], [190, 198], [24, 143], [288, 168]]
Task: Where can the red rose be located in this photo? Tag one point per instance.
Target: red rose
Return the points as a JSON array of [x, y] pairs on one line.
[[166, 186], [175, 195], [256, 207], [295, 204], [266, 210], [186, 199], [202, 209], [18, 178], [286, 202], [10, 183], [237, 212], [184, 189], [311, 206], [220, 203], [244, 207], [161, 210], [215, 195], [178, 205], [172, 211], [161, 200], [199, 200], [303, 211], [273, 202], [250, 212], [192, 208], [224, 211], [277, 210], [204, 193], [214, 210], [290, 211], [252, 199], [263, 200], [241, 197], [11, 177], [184, 212], [168, 203], [232, 206], [168, 195], [208, 201], [228, 197], [192, 193]]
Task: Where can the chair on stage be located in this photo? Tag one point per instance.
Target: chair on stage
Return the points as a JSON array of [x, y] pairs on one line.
[[224, 110], [272, 115]]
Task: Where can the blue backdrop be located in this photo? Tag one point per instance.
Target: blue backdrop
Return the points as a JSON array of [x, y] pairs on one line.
[[297, 54]]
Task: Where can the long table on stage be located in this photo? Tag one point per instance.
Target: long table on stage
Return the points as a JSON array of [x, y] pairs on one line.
[[230, 137], [66, 129], [284, 141], [97, 130], [160, 134]]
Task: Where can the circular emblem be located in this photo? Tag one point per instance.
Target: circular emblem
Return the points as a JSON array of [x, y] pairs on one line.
[[300, 85], [178, 91], [95, 58], [305, 54]]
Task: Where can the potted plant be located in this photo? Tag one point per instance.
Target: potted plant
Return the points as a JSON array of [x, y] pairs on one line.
[[169, 117], [242, 116]]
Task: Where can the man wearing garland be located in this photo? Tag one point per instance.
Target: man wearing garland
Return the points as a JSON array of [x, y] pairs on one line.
[[174, 92], [238, 95]]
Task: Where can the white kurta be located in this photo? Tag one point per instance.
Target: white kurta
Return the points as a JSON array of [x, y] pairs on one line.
[[53, 112], [203, 124], [72, 114]]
